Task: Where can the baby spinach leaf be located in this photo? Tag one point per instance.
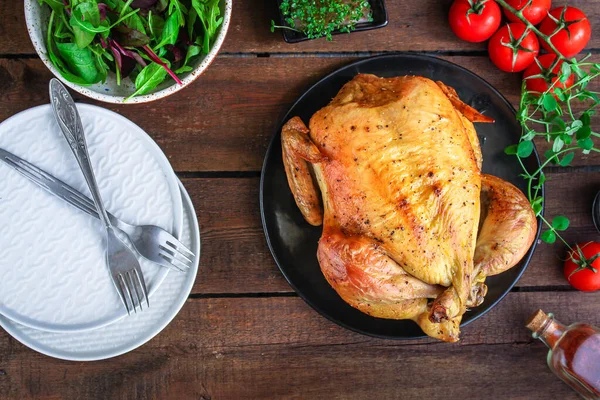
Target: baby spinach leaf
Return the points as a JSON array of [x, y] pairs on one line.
[[86, 22], [56, 5], [149, 78], [170, 31], [82, 19], [136, 22], [156, 25], [58, 63], [80, 61], [161, 5]]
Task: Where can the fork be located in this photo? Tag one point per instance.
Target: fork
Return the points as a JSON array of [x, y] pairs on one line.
[[151, 242], [123, 265]]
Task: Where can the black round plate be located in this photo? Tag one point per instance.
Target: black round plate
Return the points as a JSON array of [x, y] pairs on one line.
[[293, 242]]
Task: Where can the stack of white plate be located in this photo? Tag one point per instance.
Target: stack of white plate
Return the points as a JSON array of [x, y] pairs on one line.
[[56, 294]]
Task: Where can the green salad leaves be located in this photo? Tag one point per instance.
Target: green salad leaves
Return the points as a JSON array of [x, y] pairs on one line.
[[145, 40]]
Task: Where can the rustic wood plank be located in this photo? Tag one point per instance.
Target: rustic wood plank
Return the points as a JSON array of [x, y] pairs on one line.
[[413, 26], [280, 348], [224, 121], [235, 257]]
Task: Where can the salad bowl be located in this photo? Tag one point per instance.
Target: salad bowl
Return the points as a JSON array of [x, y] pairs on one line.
[[37, 17]]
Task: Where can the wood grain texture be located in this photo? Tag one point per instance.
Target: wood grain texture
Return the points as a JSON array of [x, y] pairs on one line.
[[413, 26], [235, 257], [280, 348], [224, 120], [243, 335]]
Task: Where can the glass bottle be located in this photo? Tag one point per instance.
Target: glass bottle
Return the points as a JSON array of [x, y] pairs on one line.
[[574, 352]]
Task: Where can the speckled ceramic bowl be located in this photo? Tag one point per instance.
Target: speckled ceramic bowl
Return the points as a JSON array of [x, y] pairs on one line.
[[37, 16]]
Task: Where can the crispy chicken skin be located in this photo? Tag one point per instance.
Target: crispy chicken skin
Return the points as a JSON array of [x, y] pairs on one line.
[[397, 163]]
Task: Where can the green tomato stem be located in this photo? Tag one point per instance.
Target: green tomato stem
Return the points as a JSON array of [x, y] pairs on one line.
[[530, 26]]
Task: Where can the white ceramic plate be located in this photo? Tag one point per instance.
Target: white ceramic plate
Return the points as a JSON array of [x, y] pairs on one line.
[[53, 268], [128, 333], [37, 17]]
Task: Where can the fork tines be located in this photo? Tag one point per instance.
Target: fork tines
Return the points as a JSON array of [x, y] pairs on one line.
[[130, 283], [175, 253]]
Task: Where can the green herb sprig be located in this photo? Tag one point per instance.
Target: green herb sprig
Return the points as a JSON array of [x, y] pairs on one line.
[[550, 115], [320, 18]]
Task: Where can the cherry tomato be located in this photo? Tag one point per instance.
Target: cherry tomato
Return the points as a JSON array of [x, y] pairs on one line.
[[476, 22], [550, 77], [574, 21], [535, 13], [511, 50], [580, 274]]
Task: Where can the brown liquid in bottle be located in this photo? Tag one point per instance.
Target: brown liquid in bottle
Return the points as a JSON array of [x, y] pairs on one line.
[[574, 352]]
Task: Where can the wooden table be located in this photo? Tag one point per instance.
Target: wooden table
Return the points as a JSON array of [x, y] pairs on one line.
[[244, 333]]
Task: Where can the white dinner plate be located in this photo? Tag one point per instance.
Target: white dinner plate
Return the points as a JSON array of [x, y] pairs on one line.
[[53, 273], [128, 333]]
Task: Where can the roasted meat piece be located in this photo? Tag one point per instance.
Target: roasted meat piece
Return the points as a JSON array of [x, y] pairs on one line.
[[411, 226]]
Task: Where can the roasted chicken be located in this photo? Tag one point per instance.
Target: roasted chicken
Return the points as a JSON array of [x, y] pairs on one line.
[[411, 226]]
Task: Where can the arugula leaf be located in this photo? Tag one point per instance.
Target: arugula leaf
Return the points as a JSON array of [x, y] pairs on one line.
[[191, 19], [80, 61], [149, 78], [192, 51], [100, 54], [208, 12], [175, 7]]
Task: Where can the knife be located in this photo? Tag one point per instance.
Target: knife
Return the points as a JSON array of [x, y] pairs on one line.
[[51, 184]]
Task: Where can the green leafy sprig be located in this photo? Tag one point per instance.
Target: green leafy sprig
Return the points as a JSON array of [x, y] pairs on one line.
[[550, 115], [318, 18]]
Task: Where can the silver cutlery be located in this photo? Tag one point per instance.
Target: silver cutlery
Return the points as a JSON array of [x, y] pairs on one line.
[[151, 242], [123, 265]]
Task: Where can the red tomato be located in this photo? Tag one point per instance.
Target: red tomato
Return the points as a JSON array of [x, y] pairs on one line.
[[580, 274], [474, 23], [550, 77], [535, 13], [572, 20], [506, 47]]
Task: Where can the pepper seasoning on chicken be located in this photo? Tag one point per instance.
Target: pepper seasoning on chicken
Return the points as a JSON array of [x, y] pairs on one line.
[[392, 169]]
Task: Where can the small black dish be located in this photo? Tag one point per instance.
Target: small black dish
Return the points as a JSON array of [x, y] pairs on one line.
[[380, 19], [293, 242]]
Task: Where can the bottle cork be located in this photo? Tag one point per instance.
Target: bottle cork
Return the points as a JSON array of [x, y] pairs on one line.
[[537, 321]]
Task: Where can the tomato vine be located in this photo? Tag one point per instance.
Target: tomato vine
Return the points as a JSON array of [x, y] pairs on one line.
[[550, 115]]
